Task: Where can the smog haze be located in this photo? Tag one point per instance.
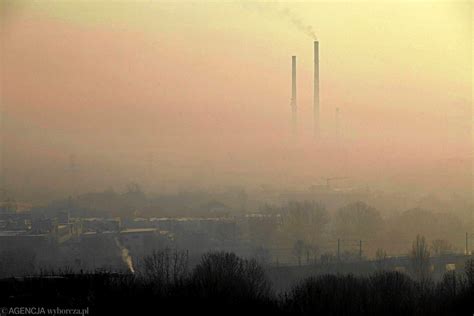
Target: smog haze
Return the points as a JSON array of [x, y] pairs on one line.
[[176, 95]]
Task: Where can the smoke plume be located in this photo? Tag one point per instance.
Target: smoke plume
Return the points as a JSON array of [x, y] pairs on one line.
[[298, 22], [126, 258], [275, 7]]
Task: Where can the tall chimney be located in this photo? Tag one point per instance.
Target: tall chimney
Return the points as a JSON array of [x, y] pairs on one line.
[[316, 108], [293, 95]]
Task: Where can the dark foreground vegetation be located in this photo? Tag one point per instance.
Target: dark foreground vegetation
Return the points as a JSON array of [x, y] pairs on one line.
[[224, 284]]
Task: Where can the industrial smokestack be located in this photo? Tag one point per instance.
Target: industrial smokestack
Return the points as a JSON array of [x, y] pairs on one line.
[[293, 95], [316, 108]]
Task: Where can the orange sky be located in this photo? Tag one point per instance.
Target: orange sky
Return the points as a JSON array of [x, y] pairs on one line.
[[209, 85]]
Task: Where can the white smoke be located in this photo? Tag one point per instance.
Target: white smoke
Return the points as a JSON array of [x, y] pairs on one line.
[[298, 22], [282, 11], [126, 258]]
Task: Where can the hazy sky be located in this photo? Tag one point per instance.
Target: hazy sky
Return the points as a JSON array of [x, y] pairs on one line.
[[205, 87]]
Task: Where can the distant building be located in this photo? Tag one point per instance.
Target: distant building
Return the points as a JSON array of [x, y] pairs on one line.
[[142, 241], [95, 224]]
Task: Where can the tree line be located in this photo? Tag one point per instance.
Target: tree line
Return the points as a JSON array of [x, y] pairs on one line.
[[223, 283]]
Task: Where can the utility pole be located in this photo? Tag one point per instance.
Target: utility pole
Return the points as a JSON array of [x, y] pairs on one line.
[[338, 250], [293, 96], [316, 107], [467, 245], [360, 250]]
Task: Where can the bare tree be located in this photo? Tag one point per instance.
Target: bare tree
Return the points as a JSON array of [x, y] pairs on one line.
[[303, 249], [469, 270], [420, 259], [358, 220], [304, 221], [165, 266], [441, 247], [312, 252], [380, 258], [298, 250]]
